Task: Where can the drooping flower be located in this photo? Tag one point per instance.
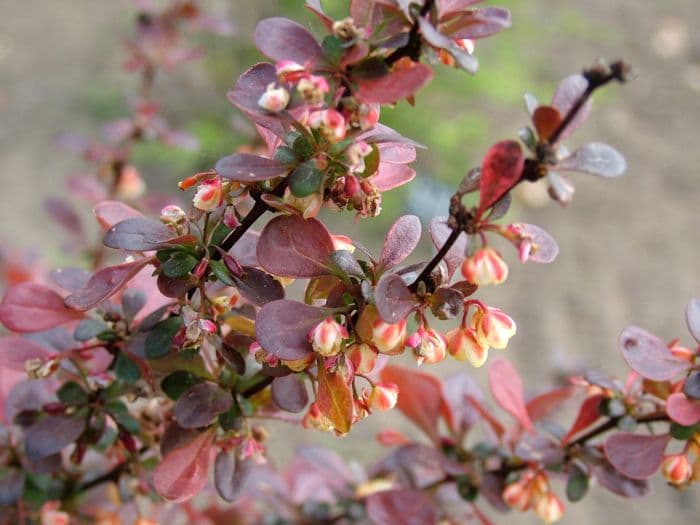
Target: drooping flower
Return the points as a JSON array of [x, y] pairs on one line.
[[383, 396], [493, 327], [327, 337], [464, 345], [677, 469], [274, 99], [485, 266], [209, 194]]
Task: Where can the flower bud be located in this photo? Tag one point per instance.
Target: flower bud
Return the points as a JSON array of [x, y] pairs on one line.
[[518, 495], [464, 345], [493, 327], [209, 195], [549, 508], [368, 116], [330, 123], [356, 153], [485, 266], [290, 71], [363, 357], [428, 346], [389, 338], [230, 218], [382, 397], [145, 521], [275, 99], [50, 515], [345, 29], [342, 242], [327, 337], [682, 352], [172, 215], [677, 469], [299, 365], [39, 368], [373, 486], [130, 185], [309, 206]]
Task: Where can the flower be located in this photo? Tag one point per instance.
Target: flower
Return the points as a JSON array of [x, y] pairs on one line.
[[326, 338], [382, 397], [315, 419], [428, 345], [342, 242], [363, 357], [50, 515], [464, 345], [389, 338], [677, 469], [275, 99], [209, 195], [290, 71], [313, 89], [329, 122], [130, 185], [549, 508], [485, 266], [493, 327], [519, 495], [172, 215]]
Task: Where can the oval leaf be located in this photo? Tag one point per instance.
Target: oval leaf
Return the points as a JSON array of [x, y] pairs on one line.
[[683, 410], [282, 328], [692, 318], [70, 279], [282, 39], [230, 475], [184, 470], [289, 393], [595, 159], [588, 414], [393, 298], [395, 86], [11, 485], [139, 234], [51, 434], [544, 248], [109, 213], [15, 350], [500, 171], [400, 241], [32, 307], [546, 120], [258, 287], [439, 232], [200, 404], [507, 389], [401, 507], [291, 246], [334, 399], [618, 483], [245, 167], [567, 94], [635, 455], [647, 355]]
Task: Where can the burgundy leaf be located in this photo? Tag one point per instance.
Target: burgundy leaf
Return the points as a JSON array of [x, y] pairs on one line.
[[258, 287], [400, 241], [282, 39], [200, 404], [692, 318], [32, 307], [109, 213], [175, 287], [588, 414], [64, 214], [546, 120], [441, 41], [282, 327], [401, 507], [393, 298], [439, 232], [381, 134], [683, 410], [544, 247], [105, 283], [396, 152], [397, 85], [595, 159], [618, 483], [11, 485], [70, 279], [647, 355], [51, 434], [457, 390], [244, 251], [183, 472], [245, 167], [500, 171], [174, 436], [479, 23], [541, 406], [637, 456], [507, 389], [231, 475], [16, 350], [334, 399], [291, 246], [289, 393], [140, 234], [567, 94]]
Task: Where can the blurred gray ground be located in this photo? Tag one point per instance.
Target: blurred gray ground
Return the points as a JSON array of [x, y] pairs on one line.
[[629, 247]]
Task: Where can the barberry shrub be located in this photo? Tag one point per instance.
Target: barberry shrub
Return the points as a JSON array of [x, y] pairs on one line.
[[146, 378]]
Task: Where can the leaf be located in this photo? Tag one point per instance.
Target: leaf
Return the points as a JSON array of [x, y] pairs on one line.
[[160, 339], [32, 307], [178, 263], [635, 455], [282, 327], [231, 475], [595, 159], [245, 167], [11, 485], [291, 246], [692, 318], [500, 171], [346, 263], [691, 386], [394, 86], [177, 383], [390, 176], [51, 434], [441, 41], [244, 251], [305, 179], [401, 507], [683, 410], [545, 248], [200, 404], [289, 393], [70, 279], [456, 391], [567, 94], [15, 350], [647, 355], [588, 414], [183, 472], [121, 415], [63, 214], [258, 287], [400, 241], [126, 369], [546, 120], [576, 484], [109, 213], [507, 389], [282, 39], [393, 298], [140, 234], [541, 406], [71, 393], [105, 283], [334, 399], [479, 23], [133, 301], [439, 232]]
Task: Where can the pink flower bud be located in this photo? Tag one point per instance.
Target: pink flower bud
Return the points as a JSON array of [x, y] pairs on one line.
[[493, 327], [428, 346], [201, 267], [275, 99], [518, 495], [368, 115], [549, 508], [290, 71], [130, 185], [330, 123], [352, 186], [383, 396], [50, 515], [208, 326], [677, 469], [485, 266], [342, 242], [363, 357], [327, 337], [209, 195], [230, 218], [464, 345], [465, 43], [172, 215], [389, 338]]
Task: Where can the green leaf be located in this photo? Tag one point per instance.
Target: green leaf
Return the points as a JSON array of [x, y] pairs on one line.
[[179, 264], [160, 339], [302, 147], [219, 234], [126, 369], [286, 155], [577, 484], [72, 393], [333, 48], [466, 488], [373, 67], [121, 415], [682, 432], [88, 329], [371, 162], [176, 383], [305, 179], [220, 271]]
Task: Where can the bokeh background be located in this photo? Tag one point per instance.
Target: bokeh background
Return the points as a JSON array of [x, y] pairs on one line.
[[629, 246]]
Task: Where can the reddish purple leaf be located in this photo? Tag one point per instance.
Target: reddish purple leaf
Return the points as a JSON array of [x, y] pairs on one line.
[[393, 298], [396, 152], [457, 390], [244, 167], [541, 406], [105, 283], [683, 410], [51, 434], [70, 279], [244, 251], [588, 414], [692, 318], [334, 399], [439, 232], [183, 472], [545, 248], [479, 23], [291, 246], [282, 39], [282, 328], [441, 41], [649, 356], [15, 350], [381, 134], [595, 159], [546, 120], [507, 389], [200, 404], [400, 241], [401, 507], [32, 307], [231, 475], [390, 176], [140, 234], [258, 287], [109, 213], [397, 85], [569, 91], [618, 483], [636, 456], [500, 171], [289, 393], [63, 213]]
